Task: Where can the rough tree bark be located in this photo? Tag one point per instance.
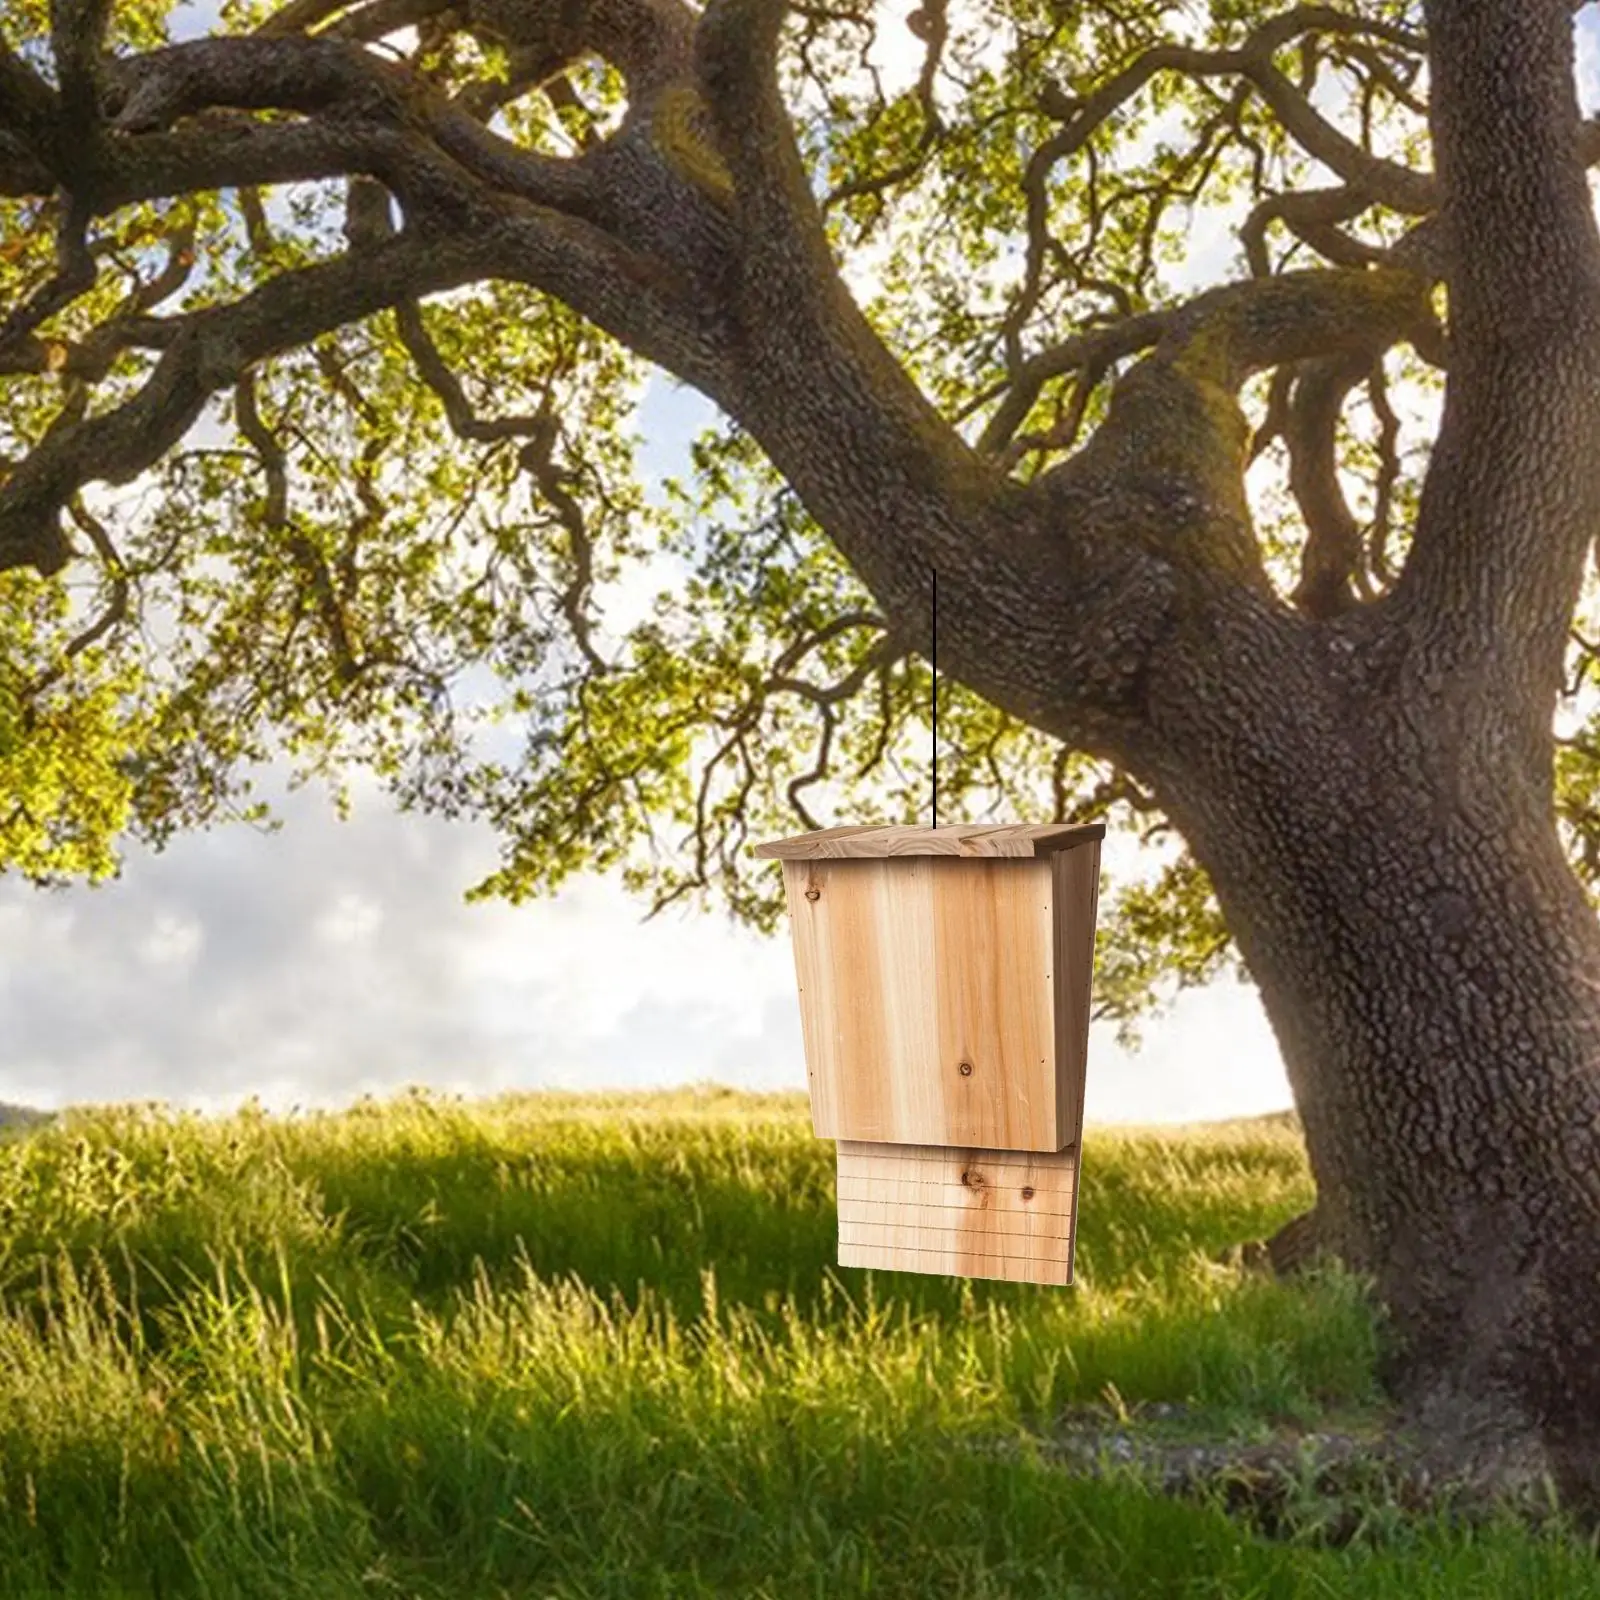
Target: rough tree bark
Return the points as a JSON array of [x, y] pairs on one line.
[[1381, 835], [1367, 785], [1428, 963]]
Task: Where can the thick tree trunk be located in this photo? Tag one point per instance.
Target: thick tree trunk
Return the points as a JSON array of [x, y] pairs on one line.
[[1431, 969]]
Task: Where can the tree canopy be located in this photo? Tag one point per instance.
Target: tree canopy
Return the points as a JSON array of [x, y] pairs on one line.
[[356, 301]]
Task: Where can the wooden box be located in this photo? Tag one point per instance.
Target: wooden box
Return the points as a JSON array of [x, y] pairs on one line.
[[944, 979]]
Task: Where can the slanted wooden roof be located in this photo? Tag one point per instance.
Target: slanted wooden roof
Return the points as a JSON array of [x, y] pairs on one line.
[[956, 839]]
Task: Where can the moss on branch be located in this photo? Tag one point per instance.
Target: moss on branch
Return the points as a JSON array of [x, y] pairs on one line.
[[680, 128], [1167, 466]]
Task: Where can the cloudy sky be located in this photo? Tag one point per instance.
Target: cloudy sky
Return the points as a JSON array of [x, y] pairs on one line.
[[332, 959]]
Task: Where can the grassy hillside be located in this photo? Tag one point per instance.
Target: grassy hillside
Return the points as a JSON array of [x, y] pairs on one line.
[[577, 1346]]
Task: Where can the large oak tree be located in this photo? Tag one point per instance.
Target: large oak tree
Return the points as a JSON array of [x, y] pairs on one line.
[[361, 292]]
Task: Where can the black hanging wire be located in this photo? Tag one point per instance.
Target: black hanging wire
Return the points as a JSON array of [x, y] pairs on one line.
[[935, 665]]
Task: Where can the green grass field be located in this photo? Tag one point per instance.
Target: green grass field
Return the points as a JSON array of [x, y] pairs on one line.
[[565, 1345]]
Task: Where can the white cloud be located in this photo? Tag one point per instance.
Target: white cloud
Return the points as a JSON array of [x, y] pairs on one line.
[[351, 919], [564, 993], [172, 943]]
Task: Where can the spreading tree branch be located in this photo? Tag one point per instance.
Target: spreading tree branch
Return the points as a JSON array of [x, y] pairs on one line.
[[1375, 178], [735, 290], [340, 85], [1311, 215], [1167, 464], [206, 351], [1096, 349]]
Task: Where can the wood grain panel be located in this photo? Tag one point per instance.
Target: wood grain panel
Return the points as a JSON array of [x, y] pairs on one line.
[[993, 954], [863, 949], [955, 839], [969, 1213], [909, 973]]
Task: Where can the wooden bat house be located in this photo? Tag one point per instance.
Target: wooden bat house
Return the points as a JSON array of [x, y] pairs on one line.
[[944, 979]]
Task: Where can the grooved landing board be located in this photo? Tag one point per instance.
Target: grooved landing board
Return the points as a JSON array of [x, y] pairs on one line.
[[963, 1212]]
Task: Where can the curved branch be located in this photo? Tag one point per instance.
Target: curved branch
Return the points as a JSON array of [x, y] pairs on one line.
[[931, 25], [818, 773], [275, 463], [435, 371], [1388, 472], [535, 458], [1333, 549], [1277, 417], [806, 643], [116, 612], [352, 93], [1166, 467], [1097, 348], [1063, 432], [1310, 214], [1394, 185], [886, 649]]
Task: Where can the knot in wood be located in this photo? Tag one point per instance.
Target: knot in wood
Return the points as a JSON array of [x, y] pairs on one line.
[[813, 894], [965, 1069]]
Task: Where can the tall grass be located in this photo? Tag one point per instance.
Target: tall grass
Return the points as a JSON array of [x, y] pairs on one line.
[[592, 1346]]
